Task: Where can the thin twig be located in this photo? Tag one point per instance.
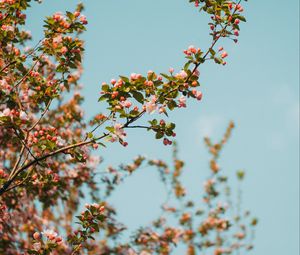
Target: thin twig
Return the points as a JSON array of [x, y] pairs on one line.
[[42, 115], [26, 56]]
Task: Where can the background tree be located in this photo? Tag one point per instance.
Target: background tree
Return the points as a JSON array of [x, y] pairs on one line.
[[46, 144]]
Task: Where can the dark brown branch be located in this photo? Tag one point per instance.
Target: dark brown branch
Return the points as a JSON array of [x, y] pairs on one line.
[[6, 185]]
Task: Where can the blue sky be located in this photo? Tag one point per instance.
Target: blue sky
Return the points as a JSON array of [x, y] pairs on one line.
[[258, 89]]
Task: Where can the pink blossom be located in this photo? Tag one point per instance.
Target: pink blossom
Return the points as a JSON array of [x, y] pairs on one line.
[[224, 54], [166, 141], [8, 1], [88, 206], [181, 75], [150, 72], [60, 141], [37, 246], [149, 83], [5, 87], [64, 50], [192, 49], [7, 28], [239, 8], [151, 107], [162, 110], [197, 94], [153, 99], [57, 39], [196, 73], [119, 83], [76, 14], [83, 19], [145, 253], [58, 16], [126, 104], [2, 173], [182, 101], [6, 112], [36, 235], [135, 76], [49, 233], [118, 132], [23, 115]]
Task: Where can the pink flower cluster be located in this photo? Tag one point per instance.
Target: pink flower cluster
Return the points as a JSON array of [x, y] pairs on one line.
[[7, 112], [118, 134], [151, 106], [191, 50]]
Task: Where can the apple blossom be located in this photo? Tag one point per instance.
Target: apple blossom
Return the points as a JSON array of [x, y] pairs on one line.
[[197, 94], [83, 19], [224, 54], [181, 75], [49, 233], [37, 246], [6, 112], [126, 104], [76, 14], [23, 115], [182, 101]]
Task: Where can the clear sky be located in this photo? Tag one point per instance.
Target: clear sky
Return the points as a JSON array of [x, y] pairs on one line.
[[258, 89]]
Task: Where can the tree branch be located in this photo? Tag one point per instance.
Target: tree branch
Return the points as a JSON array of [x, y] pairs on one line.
[[6, 185]]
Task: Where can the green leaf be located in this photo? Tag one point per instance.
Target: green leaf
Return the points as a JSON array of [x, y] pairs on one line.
[[77, 57], [153, 122], [72, 65], [186, 66], [70, 15], [102, 98], [240, 175], [32, 252], [5, 119], [166, 76], [138, 96], [124, 78], [241, 18], [170, 126], [212, 52], [105, 87], [171, 105], [159, 135], [218, 60], [110, 129]]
